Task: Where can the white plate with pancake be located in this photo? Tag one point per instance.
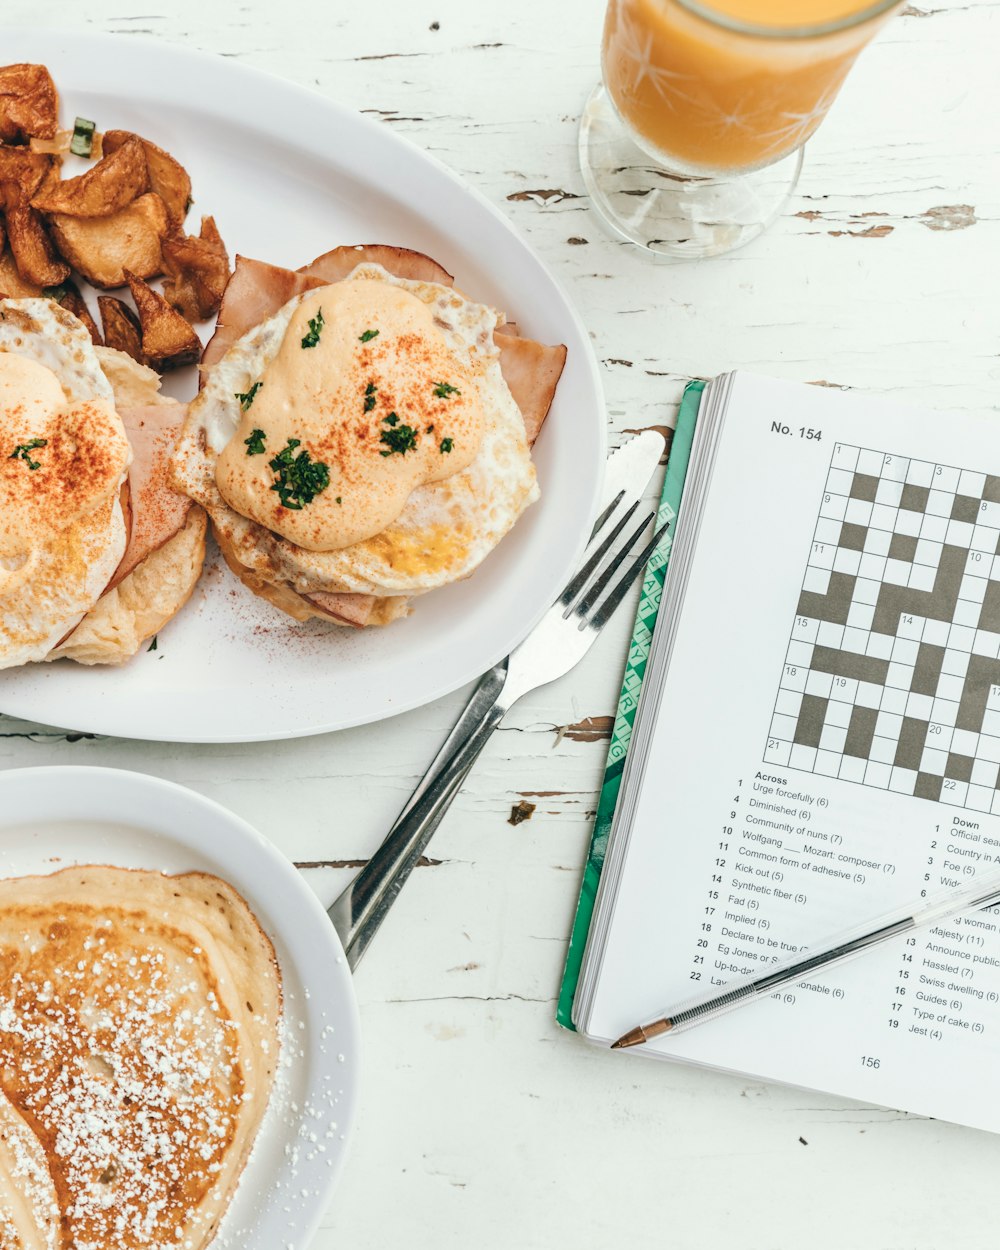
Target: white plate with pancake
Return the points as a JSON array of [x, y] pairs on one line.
[[289, 175], [54, 818]]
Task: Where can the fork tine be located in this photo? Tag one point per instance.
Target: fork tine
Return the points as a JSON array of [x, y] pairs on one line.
[[580, 580], [603, 518], [594, 592], [607, 608]]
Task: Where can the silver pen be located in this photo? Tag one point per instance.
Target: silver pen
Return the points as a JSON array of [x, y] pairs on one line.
[[801, 967]]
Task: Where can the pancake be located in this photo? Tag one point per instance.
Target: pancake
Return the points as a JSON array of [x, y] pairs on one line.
[[139, 1039]]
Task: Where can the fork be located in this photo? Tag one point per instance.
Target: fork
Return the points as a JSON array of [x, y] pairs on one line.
[[560, 640]]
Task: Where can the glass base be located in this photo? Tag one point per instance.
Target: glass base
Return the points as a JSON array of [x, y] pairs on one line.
[[673, 214]]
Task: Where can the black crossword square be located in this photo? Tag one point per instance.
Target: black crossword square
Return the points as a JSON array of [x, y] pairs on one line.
[[902, 547], [852, 537], [864, 487], [965, 508], [914, 498]]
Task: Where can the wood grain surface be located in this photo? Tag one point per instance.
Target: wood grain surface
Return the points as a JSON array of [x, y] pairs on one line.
[[482, 1124]]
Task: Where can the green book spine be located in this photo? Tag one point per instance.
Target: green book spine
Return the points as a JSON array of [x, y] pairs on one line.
[[635, 667]]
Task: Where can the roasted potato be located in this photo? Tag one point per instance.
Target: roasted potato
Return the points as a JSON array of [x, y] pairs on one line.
[[73, 302], [34, 254], [12, 285], [167, 176], [167, 339], [102, 248], [198, 269], [114, 182], [29, 104], [121, 327], [30, 170]]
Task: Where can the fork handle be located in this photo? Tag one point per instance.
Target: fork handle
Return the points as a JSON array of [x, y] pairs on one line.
[[358, 912]]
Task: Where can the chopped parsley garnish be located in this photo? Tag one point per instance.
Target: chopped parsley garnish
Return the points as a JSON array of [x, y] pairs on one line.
[[429, 430], [82, 142], [391, 419], [299, 478], [370, 393], [246, 398], [400, 439], [152, 645], [255, 443], [339, 500], [55, 292], [444, 389], [368, 336], [315, 329], [446, 445], [22, 452]]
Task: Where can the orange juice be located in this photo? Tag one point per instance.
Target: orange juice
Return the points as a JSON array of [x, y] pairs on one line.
[[736, 89]]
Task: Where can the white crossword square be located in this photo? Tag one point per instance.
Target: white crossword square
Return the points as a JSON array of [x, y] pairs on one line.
[[894, 700], [822, 555], [833, 506], [939, 737], [989, 515], [944, 712], [870, 462], [794, 678], [899, 677], [844, 457], [933, 761], [855, 640], [883, 518], [860, 616], [989, 748], [844, 690], [934, 527], [984, 772], [882, 750], [921, 577], [973, 588], [879, 646], [799, 653], [939, 503], [991, 722], [971, 483], [904, 650], [903, 780], [984, 539], [829, 635], [827, 763], [908, 522], [888, 724], [846, 561], [936, 633], [946, 478], [877, 542], [866, 590], [889, 492], [960, 639], [858, 512], [870, 568], [839, 716], [919, 706], [910, 626], [816, 581], [966, 613], [928, 552], [950, 687], [954, 791], [839, 482], [965, 742], [852, 768], [805, 629], [986, 643], [894, 468], [828, 530], [832, 738], [819, 684], [897, 572], [955, 662], [994, 570], [878, 774], [788, 702], [920, 473], [778, 753], [869, 694], [802, 757], [979, 798], [959, 533], [783, 727]]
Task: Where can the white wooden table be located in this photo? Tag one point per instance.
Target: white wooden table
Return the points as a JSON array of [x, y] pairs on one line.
[[481, 1122]]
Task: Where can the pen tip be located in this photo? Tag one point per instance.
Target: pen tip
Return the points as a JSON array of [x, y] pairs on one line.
[[634, 1037]]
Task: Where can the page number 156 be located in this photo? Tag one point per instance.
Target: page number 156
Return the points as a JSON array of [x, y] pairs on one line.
[[870, 1061]]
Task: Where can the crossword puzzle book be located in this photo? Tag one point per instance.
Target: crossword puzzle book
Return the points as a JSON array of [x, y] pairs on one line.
[[816, 744]]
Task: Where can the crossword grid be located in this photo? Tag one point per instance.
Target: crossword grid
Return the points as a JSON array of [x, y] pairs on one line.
[[892, 675]]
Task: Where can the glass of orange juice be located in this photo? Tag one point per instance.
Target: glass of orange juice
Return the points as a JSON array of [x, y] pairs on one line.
[[692, 143]]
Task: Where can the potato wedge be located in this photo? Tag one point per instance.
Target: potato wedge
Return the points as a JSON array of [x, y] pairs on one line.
[[121, 327], [12, 285], [114, 182], [167, 176], [167, 339], [30, 170], [198, 269], [102, 248], [34, 254], [73, 302], [29, 103]]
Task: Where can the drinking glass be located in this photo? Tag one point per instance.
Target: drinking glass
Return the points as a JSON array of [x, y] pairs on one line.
[[692, 143]]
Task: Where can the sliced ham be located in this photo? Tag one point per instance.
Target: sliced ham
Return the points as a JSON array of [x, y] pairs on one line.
[[532, 372], [255, 292], [355, 610], [158, 512], [399, 261]]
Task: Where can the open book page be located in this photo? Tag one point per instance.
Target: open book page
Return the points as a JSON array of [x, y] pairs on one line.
[[827, 750]]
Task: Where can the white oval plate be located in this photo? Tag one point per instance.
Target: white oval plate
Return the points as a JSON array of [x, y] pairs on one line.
[[288, 175], [52, 818]]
